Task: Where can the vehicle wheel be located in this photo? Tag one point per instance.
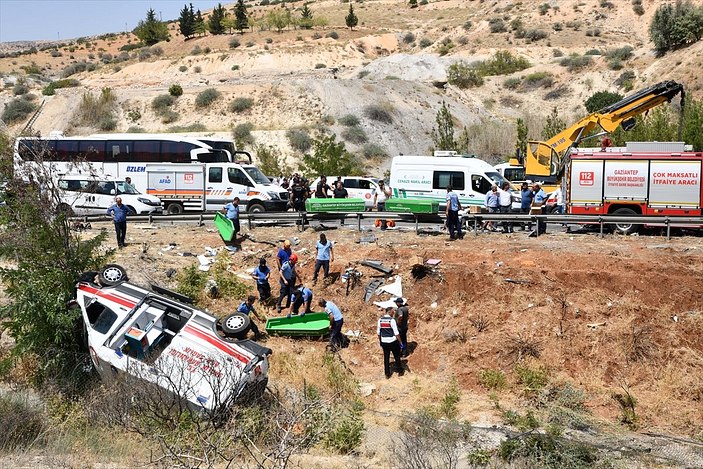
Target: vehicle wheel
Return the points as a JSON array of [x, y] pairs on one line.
[[174, 208], [131, 210], [66, 210], [112, 274], [236, 325], [255, 208], [625, 228]]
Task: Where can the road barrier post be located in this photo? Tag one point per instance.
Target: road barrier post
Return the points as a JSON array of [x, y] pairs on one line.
[[668, 229], [600, 220]]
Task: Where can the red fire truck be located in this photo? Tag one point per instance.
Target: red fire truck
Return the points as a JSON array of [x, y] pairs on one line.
[[638, 182]]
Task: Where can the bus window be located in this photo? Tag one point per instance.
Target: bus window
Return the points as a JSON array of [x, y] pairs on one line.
[[66, 150], [176, 152], [442, 179], [214, 174], [118, 150], [31, 149], [237, 176], [214, 156], [92, 150], [146, 151]]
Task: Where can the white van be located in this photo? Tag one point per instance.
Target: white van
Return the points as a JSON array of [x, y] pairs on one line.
[[514, 173], [427, 177], [357, 187], [85, 195]]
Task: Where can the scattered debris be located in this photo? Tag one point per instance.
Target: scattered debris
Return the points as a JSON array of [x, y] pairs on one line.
[[499, 264], [366, 389], [395, 288], [378, 265], [386, 304], [211, 288], [518, 281], [367, 239], [371, 289], [433, 261], [210, 251], [232, 248], [204, 263], [419, 271], [433, 305], [170, 273], [675, 318], [353, 334], [595, 325]]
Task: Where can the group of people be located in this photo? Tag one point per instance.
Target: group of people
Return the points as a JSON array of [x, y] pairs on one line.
[[297, 299]]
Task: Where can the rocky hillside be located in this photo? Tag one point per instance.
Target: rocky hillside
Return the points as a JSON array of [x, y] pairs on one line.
[[395, 62]]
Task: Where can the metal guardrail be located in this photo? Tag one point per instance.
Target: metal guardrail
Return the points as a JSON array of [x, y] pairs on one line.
[[302, 219]]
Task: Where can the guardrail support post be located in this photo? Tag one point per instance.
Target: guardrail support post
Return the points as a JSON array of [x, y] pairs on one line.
[[600, 220], [475, 225], [249, 221], [201, 221], [358, 221], [668, 229], [417, 224], [151, 219]]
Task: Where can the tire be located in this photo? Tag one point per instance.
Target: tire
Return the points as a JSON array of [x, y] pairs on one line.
[[112, 274], [131, 210], [625, 228], [174, 208], [236, 325], [255, 208]]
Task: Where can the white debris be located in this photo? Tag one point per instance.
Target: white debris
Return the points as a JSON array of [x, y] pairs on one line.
[[433, 305], [395, 288]]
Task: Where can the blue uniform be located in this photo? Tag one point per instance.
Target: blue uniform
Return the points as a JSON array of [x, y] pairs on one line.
[[119, 214], [335, 325], [301, 297]]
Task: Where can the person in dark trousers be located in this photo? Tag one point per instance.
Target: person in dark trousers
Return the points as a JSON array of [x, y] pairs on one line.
[[231, 211], [325, 255], [298, 194], [119, 213], [302, 296], [401, 318], [248, 307], [262, 274], [336, 323], [538, 201], [287, 276], [389, 338], [505, 201], [379, 200], [525, 203], [283, 254], [453, 220]]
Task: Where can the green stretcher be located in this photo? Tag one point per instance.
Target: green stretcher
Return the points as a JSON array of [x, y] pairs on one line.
[[224, 226], [312, 324], [335, 205], [414, 206]]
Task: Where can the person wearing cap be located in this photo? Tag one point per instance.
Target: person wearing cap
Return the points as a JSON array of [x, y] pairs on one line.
[[283, 253], [401, 319], [389, 338], [301, 296], [452, 212], [231, 211], [287, 275], [379, 200], [248, 307], [262, 274], [336, 323]]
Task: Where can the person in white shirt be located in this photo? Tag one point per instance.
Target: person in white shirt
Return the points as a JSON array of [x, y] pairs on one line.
[[389, 338], [505, 201], [379, 200]]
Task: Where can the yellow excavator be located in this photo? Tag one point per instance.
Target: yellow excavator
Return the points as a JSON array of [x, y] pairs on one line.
[[545, 161]]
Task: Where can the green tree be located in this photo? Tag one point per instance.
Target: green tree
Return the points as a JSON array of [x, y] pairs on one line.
[[675, 26], [306, 20], [351, 19], [601, 99], [329, 157], [553, 126], [151, 30], [229, 23], [521, 143], [443, 134], [214, 23], [279, 19], [271, 161], [240, 12], [692, 124], [200, 26], [43, 256], [186, 21]]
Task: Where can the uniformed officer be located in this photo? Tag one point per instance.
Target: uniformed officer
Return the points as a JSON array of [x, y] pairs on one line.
[[388, 336], [401, 316]]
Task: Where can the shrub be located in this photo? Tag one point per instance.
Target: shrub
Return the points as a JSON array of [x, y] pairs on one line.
[[182, 68], [544, 8], [607, 4], [18, 109], [557, 93], [512, 83], [179, 129], [196, 50], [538, 80], [51, 88], [502, 63], [22, 424], [467, 25], [347, 431], [557, 26], [379, 112], [425, 42], [190, 282], [234, 43], [625, 77], [318, 66], [575, 63], [593, 52], [493, 380], [497, 25], [532, 379], [461, 75], [299, 139], [19, 89], [409, 38], [242, 134], [77, 68], [615, 64], [637, 7], [162, 102], [533, 35], [374, 151], [175, 90], [206, 97], [622, 53], [169, 116], [355, 135], [333, 35], [240, 104], [350, 120], [557, 53], [601, 99], [197, 69]]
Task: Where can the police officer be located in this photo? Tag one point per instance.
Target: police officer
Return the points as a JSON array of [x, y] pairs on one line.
[[401, 318], [389, 338]]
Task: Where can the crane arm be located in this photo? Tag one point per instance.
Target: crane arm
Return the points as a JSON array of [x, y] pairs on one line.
[[546, 159]]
